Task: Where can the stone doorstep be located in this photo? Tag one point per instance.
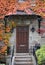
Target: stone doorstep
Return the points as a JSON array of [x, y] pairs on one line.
[[21, 53]]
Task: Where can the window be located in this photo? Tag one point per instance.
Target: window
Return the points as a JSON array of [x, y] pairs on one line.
[[33, 3], [20, 12], [21, 1], [33, 0]]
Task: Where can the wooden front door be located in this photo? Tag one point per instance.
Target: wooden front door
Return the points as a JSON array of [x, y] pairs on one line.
[[22, 39]]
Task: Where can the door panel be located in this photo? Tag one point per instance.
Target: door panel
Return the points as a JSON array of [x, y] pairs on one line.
[[22, 39]]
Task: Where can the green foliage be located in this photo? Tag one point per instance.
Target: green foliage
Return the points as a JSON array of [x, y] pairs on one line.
[[40, 54]]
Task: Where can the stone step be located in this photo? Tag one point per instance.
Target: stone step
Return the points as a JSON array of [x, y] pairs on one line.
[[22, 59], [20, 54], [23, 63]]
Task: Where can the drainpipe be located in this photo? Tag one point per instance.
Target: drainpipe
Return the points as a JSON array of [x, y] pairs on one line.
[[39, 23]]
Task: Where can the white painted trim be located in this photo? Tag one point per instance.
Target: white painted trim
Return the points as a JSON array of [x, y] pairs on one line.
[[29, 36], [15, 41]]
